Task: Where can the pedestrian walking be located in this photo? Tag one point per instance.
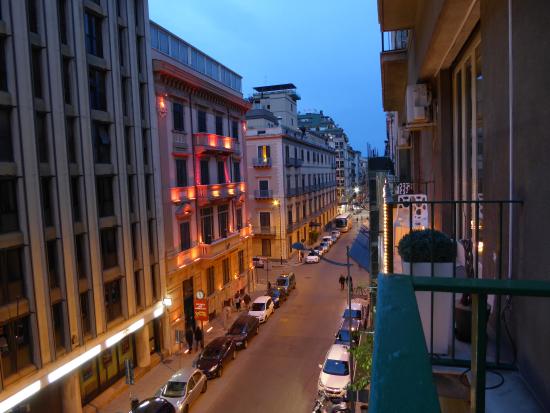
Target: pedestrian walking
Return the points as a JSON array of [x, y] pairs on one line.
[[189, 338], [199, 338], [342, 281], [226, 315], [238, 303], [268, 286], [246, 300]]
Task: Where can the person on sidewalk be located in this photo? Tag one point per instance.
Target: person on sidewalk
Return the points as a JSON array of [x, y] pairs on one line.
[[247, 300], [199, 338], [226, 316], [238, 303], [342, 281], [189, 338]]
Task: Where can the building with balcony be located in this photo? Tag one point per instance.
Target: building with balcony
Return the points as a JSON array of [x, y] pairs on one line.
[[201, 119], [82, 284], [290, 174], [463, 83]]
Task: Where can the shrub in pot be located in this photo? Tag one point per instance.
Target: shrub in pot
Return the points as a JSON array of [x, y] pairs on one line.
[[418, 250]]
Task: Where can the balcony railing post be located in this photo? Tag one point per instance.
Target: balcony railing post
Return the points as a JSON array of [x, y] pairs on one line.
[[479, 352]]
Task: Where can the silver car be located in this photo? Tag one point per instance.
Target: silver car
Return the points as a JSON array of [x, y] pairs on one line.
[[184, 388]]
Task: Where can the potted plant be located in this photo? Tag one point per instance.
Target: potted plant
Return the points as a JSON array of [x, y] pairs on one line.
[[418, 250]]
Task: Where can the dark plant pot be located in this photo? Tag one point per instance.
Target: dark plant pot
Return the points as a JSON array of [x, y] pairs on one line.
[[463, 321]]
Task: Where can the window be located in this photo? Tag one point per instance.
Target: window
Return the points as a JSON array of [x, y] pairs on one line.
[[124, 86], [181, 172], [235, 129], [177, 113], [207, 225], [128, 145], [219, 125], [241, 261], [105, 199], [71, 142], [221, 172], [41, 137], [223, 220], [101, 142], [131, 193], [205, 173], [113, 302], [210, 281], [122, 46], [58, 324], [15, 346], [239, 213], [75, 198], [36, 64], [93, 34], [156, 282], [53, 273], [137, 289], [6, 149], [66, 68], [145, 142], [236, 172], [289, 212], [32, 13], [85, 314], [201, 115], [109, 248], [266, 248], [96, 82], [80, 251], [226, 271], [12, 281], [185, 236], [3, 70], [8, 206], [148, 192], [151, 234], [47, 207]]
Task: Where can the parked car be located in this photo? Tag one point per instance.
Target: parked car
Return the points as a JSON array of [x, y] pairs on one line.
[[334, 238], [275, 295], [359, 312], [328, 240], [312, 258], [262, 308], [243, 329], [335, 375], [215, 355], [343, 335], [335, 233], [154, 405], [282, 291], [182, 389], [324, 245], [318, 250], [287, 281], [258, 262]]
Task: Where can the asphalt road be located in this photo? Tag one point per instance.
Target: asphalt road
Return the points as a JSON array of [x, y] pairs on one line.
[[280, 369]]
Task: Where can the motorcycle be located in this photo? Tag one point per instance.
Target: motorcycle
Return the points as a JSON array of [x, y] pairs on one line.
[[325, 405]]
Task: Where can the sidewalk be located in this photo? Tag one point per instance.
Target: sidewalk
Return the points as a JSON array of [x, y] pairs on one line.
[[155, 377]]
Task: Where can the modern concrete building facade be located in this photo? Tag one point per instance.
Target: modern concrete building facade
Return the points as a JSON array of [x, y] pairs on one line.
[[290, 174], [201, 119], [80, 261], [466, 86]]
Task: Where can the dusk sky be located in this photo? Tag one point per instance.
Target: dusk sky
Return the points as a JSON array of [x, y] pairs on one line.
[[328, 49]]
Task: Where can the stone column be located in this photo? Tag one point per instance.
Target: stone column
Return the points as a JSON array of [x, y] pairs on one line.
[[70, 394], [142, 347]]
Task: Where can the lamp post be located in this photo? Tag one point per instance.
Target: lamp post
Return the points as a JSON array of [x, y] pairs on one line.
[[277, 203]]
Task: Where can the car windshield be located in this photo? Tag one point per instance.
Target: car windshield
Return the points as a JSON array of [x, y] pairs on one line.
[[258, 306], [237, 328], [354, 313], [174, 389], [211, 352], [312, 254], [282, 282], [336, 367]]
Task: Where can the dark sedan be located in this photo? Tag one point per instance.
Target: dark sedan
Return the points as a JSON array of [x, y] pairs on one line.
[[276, 296], [154, 405], [243, 329], [215, 355]]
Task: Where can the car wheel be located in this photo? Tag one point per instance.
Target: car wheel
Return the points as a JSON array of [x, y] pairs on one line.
[[205, 386], [245, 344], [220, 371]]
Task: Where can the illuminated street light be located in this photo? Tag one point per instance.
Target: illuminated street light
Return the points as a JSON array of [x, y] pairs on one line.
[[356, 189]]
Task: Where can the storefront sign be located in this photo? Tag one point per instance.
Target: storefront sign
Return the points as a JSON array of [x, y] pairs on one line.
[[201, 310]]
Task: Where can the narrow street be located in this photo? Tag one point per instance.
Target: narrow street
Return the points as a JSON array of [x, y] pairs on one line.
[[280, 369]]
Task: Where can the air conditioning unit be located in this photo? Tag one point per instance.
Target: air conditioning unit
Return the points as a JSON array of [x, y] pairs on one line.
[[403, 138], [418, 103]]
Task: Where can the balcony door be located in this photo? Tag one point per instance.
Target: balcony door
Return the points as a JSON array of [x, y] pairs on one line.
[[205, 172], [207, 225], [264, 187], [264, 153], [265, 221]]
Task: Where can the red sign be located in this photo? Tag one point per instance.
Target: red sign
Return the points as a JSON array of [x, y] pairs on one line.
[[201, 310]]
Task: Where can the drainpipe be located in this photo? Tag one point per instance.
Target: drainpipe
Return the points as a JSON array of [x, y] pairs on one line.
[[510, 140]]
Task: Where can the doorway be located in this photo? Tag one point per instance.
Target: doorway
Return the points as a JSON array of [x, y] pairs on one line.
[[188, 309]]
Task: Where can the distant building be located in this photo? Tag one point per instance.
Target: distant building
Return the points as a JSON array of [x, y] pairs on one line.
[[290, 174]]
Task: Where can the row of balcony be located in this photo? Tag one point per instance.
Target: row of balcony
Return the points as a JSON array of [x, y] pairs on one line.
[[289, 163], [206, 143], [268, 193], [207, 193]]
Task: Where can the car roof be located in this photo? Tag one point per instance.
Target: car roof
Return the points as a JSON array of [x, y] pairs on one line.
[[345, 323], [285, 275], [338, 352], [182, 375], [218, 341], [153, 404], [262, 299]]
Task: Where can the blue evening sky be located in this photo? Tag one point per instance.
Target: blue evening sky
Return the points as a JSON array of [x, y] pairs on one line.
[[329, 49]]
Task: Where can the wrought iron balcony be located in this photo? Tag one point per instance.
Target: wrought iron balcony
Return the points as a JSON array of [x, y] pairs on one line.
[[263, 194], [261, 162], [293, 162], [212, 143]]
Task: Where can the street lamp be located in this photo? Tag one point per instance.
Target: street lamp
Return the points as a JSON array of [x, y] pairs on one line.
[[277, 203]]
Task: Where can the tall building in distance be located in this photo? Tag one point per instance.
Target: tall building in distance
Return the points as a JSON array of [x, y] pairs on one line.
[[347, 159], [201, 119], [79, 256], [290, 173]]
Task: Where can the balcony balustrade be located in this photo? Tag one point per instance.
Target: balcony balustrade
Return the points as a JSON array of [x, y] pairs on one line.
[[212, 143], [209, 193], [180, 143], [222, 245], [263, 194], [264, 230], [180, 194], [293, 162], [261, 162], [393, 61]]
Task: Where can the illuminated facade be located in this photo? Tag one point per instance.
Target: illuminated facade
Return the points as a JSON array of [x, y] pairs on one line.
[[200, 116]]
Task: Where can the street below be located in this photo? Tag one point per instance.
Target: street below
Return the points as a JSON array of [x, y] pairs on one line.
[[280, 369]]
